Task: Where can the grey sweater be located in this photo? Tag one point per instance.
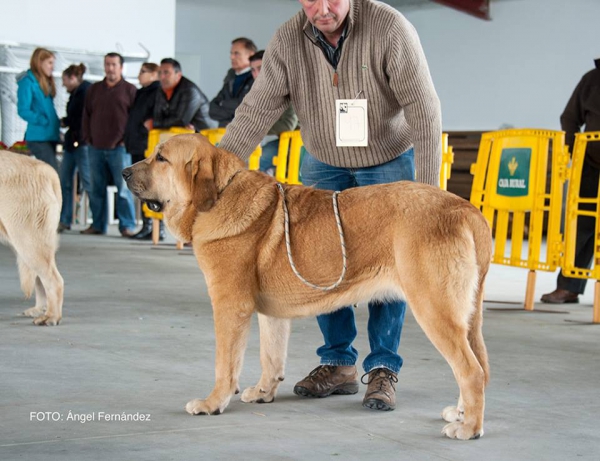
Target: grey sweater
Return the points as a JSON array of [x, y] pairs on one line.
[[381, 59]]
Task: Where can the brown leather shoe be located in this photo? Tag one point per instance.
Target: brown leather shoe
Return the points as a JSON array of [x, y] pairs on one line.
[[381, 392], [560, 296], [328, 379], [127, 233], [91, 231]]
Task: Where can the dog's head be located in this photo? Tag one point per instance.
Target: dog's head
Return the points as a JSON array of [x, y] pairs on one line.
[[185, 170]]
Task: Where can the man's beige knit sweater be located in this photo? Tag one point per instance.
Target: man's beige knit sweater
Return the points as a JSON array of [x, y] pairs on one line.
[[382, 61]]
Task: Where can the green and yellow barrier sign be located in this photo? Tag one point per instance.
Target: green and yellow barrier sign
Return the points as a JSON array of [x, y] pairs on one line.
[[513, 172]]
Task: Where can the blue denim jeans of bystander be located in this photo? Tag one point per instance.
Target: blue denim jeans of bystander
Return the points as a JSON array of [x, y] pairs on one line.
[[76, 160], [103, 164]]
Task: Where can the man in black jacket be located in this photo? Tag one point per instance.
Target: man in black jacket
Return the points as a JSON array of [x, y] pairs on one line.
[[583, 110], [237, 83], [179, 102]]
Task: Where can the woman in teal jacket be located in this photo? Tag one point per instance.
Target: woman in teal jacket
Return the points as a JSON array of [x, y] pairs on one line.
[[36, 106]]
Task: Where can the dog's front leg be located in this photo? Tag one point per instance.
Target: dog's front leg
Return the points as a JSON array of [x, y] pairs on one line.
[[274, 335], [232, 323]]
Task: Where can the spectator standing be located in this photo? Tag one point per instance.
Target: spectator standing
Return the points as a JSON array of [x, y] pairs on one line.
[[582, 111], [105, 114], [136, 134], [287, 122], [329, 57], [35, 105], [179, 102], [75, 151], [237, 83]]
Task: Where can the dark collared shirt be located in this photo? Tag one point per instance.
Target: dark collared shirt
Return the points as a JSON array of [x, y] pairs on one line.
[[332, 53]]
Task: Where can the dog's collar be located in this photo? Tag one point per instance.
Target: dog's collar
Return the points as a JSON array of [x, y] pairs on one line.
[[230, 181]]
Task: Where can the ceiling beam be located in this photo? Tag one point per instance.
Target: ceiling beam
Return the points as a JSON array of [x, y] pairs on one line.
[[478, 8]]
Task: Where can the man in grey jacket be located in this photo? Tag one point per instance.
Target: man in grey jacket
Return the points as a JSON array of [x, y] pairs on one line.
[[357, 77]]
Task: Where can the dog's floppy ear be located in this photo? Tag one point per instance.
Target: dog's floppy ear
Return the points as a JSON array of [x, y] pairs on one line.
[[202, 183]]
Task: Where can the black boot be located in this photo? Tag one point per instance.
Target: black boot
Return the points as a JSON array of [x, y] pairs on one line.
[[146, 232], [161, 231]]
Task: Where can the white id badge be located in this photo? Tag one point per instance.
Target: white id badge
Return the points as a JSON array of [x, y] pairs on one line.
[[351, 127]]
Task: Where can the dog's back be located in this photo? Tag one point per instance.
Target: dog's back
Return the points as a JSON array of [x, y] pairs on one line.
[[30, 202]]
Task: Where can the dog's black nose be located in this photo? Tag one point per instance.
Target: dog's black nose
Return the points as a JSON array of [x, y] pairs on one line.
[[127, 174]]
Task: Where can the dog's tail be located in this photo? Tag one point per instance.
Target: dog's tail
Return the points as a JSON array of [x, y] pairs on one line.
[[27, 277], [483, 253]]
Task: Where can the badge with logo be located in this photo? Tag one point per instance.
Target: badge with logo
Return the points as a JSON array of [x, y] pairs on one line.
[[513, 175]]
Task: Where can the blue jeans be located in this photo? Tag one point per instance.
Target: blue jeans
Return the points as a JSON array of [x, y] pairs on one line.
[[103, 164], [44, 151], [385, 318], [78, 159], [269, 151]]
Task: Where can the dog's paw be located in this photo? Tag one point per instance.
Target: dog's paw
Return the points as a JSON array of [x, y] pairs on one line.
[[47, 320], [453, 414], [461, 431], [202, 407], [34, 311], [257, 395]]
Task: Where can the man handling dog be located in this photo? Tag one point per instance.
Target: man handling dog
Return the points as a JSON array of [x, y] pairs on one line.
[[356, 74]]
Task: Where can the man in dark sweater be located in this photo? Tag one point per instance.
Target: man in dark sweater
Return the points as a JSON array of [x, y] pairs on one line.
[[583, 110], [179, 102], [107, 106], [237, 83]]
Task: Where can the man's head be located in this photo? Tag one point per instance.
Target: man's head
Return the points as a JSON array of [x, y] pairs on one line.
[[113, 67], [170, 73], [326, 15], [256, 63], [241, 50]]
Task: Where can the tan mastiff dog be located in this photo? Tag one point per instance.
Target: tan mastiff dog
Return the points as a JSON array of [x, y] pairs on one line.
[[30, 201], [403, 240]]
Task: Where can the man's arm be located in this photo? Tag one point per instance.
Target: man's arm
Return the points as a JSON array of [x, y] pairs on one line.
[[86, 132], [573, 117], [221, 109], [287, 122], [261, 107], [411, 82]]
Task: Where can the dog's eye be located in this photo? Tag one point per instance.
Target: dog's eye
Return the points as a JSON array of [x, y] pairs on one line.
[[160, 158]]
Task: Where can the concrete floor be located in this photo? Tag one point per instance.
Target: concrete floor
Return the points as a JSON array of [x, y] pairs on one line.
[[137, 338]]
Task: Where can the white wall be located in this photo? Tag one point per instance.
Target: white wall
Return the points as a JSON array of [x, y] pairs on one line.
[[92, 25], [518, 69]]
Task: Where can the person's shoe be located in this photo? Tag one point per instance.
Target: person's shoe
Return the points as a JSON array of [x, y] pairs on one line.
[[91, 231], [127, 233], [560, 296], [328, 379], [145, 232], [381, 389], [62, 227]]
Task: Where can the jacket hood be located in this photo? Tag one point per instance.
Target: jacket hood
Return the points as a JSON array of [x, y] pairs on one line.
[[25, 74]]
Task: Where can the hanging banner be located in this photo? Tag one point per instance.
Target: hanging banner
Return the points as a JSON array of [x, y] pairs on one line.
[[479, 8]]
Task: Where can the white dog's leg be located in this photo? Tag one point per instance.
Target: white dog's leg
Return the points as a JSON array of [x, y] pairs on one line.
[[274, 335], [40, 300]]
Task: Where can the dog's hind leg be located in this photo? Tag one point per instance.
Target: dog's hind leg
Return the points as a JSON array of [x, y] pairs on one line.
[[449, 334], [274, 336], [40, 300], [232, 324]]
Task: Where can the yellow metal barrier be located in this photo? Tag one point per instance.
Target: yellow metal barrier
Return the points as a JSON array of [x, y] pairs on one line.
[[447, 161], [215, 135], [572, 215], [289, 156], [510, 182], [287, 161]]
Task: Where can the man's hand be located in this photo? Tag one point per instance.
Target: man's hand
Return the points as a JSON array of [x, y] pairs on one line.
[[148, 124]]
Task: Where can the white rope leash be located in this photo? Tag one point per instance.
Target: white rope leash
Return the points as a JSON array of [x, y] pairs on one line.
[[289, 247]]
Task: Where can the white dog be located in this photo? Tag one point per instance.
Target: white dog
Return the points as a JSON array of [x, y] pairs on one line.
[[30, 201]]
